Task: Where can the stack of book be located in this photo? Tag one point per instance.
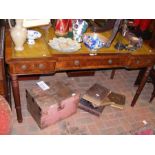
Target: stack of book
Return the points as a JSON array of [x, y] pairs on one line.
[[97, 97]]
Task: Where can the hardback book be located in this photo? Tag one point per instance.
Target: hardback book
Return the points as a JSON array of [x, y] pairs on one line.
[[87, 106], [117, 100], [97, 95]]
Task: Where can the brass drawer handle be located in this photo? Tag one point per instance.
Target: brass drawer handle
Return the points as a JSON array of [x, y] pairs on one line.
[[41, 66], [76, 62], [23, 67], [110, 61], [137, 61]]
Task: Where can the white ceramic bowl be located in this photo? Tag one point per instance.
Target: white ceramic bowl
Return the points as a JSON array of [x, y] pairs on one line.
[[64, 44], [32, 35]]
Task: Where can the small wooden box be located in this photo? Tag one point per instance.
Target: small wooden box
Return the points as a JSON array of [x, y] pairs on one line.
[[49, 106]]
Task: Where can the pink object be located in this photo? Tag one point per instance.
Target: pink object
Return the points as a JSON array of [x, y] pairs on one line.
[[5, 117], [50, 106], [56, 112], [145, 132]]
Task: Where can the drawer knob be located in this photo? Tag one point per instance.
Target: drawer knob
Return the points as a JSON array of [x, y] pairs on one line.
[[41, 66], [137, 62], [76, 62], [23, 67], [110, 61]]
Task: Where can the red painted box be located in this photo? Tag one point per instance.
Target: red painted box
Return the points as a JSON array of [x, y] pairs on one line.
[[49, 106]]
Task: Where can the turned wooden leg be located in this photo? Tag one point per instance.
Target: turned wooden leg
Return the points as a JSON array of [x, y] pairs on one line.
[[153, 95], [142, 84], [152, 75], [139, 77], [9, 90], [16, 95], [112, 74]]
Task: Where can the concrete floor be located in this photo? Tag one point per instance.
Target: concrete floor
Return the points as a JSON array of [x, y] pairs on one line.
[[112, 121]]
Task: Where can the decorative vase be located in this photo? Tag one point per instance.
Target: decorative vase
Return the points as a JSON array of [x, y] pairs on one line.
[[79, 27], [18, 34], [63, 26]]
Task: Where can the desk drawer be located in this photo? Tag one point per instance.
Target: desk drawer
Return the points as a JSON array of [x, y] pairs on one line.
[[90, 63], [32, 68], [137, 62]]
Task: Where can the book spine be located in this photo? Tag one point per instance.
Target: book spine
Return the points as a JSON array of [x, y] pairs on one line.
[[89, 110]]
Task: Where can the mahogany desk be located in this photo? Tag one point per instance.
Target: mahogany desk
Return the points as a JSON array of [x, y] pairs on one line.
[[41, 59]]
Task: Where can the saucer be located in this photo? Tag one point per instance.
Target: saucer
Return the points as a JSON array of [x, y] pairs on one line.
[[32, 34]]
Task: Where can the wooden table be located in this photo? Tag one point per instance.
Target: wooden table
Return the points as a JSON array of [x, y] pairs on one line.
[[41, 59]]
